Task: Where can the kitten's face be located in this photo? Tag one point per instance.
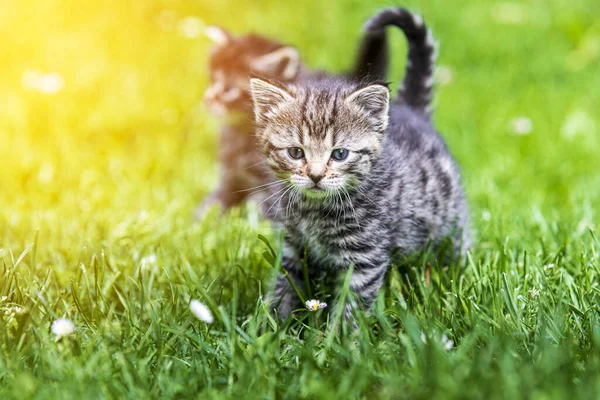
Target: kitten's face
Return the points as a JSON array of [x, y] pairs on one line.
[[321, 140], [234, 60]]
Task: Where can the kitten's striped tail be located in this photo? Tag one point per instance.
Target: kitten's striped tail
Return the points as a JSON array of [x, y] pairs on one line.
[[416, 88]]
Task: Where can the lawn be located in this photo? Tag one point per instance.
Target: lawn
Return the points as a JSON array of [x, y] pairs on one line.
[[105, 150]]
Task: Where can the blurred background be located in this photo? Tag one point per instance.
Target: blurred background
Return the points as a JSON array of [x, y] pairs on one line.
[[106, 149], [104, 139]]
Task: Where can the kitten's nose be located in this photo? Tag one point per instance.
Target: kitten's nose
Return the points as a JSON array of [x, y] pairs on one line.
[[316, 178]]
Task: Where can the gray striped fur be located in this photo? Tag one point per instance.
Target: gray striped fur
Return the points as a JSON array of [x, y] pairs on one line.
[[399, 189]]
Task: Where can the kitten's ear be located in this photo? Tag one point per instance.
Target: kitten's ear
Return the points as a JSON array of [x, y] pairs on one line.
[[267, 98], [374, 100], [217, 35], [284, 61]]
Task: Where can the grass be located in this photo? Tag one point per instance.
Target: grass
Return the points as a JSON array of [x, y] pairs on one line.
[[98, 183]]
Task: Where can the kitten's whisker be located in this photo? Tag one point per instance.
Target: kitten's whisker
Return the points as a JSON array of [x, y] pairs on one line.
[[341, 207], [290, 205], [265, 185], [296, 201], [254, 165], [278, 201], [259, 191], [287, 207], [274, 194]]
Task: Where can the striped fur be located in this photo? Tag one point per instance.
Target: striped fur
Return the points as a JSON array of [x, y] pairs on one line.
[[416, 88], [398, 190]]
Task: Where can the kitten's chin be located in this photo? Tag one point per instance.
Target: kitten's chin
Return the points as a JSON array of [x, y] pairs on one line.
[[315, 193]]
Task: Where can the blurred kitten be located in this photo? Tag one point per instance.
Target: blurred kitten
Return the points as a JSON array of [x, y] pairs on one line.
[[233, 61]]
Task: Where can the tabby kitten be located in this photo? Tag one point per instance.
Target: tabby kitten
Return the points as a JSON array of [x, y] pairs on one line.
[[233, 61], [360, 177]]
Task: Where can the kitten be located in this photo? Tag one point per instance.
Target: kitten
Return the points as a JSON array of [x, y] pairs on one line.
[[361, 177], [233, 61]]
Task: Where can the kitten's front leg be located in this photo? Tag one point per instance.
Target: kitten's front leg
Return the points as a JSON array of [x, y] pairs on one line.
[[365, 283], [284, 297]]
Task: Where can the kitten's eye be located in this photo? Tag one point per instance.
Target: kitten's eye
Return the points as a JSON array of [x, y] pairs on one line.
[[339, 154], [296, 153]]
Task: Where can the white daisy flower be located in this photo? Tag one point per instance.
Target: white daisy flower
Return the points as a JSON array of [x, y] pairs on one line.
[[62, 327], [314, 305], [447, 344], [201, 312]]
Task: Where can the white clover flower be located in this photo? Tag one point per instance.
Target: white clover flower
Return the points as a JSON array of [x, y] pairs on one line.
[[521, 126], [201, 312], [62, 327], [314, 305]]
